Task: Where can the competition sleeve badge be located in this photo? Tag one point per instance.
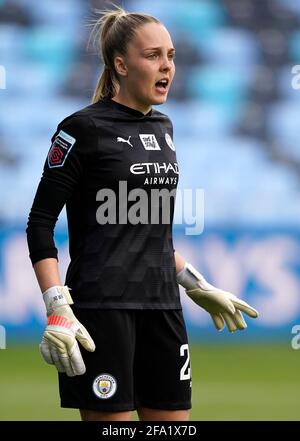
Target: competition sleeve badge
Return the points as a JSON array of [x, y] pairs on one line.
[[60, 149]]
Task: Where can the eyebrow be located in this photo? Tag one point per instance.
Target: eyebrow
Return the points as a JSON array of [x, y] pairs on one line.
[[158, 48]]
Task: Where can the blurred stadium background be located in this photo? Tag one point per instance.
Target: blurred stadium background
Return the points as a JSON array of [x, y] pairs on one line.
[[236, 131]]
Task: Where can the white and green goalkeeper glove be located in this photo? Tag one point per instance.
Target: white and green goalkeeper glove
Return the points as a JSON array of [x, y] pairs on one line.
[[59, 345], [223, 306]]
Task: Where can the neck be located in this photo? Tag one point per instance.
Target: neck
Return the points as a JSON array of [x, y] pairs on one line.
[[129, 101]]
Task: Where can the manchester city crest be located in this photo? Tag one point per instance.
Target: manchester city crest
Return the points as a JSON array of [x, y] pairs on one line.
[[169, 141], [104, 386]]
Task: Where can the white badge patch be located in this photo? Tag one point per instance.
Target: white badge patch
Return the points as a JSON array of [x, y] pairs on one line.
[[60, 149], [169, 141], [104, 386], [149, 142]]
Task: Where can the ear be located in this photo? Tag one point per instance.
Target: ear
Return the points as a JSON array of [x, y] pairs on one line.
[[120, 66]]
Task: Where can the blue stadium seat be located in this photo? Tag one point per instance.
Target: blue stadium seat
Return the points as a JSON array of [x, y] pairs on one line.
[[218, 84], [36, 116], [50, 45], [227, 46], [11, 43], [195, 18], [283, 124], [164, 11], [65, 13], [199, 18], [208, 119], [292, 5], [294, 46], [34, 80]]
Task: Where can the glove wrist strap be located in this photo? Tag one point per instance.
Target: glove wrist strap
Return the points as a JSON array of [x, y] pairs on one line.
[[55, 297], [189, 277]]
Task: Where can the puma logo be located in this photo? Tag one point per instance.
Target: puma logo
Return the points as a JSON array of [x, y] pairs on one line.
[[119, 139]]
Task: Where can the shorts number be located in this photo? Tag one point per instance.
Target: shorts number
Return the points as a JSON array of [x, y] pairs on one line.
[[185, 374]]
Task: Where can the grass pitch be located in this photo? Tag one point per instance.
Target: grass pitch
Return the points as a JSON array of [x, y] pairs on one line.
[[230, 382]]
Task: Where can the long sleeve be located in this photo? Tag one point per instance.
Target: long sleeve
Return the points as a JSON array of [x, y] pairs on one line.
[[63, 172]]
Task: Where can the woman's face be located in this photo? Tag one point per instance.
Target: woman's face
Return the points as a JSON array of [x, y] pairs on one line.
[[149, 59]]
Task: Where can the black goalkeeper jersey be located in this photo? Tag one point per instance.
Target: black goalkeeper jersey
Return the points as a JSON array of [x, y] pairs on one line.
[[101, 159]]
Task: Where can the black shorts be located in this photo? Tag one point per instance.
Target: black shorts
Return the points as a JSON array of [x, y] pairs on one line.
[[141, 360]]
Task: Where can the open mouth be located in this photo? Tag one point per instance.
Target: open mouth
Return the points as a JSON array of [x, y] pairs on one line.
[[162, 85]]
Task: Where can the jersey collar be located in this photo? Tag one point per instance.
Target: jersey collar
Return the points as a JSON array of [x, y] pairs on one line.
[[126, 109]]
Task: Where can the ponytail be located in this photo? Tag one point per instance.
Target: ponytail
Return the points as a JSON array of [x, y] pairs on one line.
[[106, 86], [113, 31]]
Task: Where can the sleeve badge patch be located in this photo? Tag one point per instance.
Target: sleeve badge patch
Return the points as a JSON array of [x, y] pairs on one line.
[[60, 149]]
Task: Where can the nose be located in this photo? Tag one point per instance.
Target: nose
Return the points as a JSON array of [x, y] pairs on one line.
[[166, 64]]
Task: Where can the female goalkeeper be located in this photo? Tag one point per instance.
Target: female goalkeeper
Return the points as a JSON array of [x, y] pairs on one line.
[[120, 299]]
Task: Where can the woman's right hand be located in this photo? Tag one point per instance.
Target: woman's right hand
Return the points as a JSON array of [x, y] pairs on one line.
[[59, 344]]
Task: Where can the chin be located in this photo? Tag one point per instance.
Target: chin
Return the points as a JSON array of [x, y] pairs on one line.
[[159, 100]]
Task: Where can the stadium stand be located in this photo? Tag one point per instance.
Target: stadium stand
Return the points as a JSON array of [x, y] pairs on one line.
[[234, 62]]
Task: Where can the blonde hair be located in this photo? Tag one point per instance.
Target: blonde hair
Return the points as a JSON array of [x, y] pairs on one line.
[[112, 32]]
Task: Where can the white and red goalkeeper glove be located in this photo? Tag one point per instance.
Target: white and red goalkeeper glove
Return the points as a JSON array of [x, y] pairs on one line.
[[59, 343], [223, 306]]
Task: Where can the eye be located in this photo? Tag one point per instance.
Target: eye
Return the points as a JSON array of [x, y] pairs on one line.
[[152, 56], [172, 56]]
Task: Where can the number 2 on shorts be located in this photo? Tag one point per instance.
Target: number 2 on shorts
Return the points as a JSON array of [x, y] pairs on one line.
[[185, 374]]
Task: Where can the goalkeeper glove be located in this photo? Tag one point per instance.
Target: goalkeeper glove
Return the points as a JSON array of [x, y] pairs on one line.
[[223, 306], [59, 345]]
